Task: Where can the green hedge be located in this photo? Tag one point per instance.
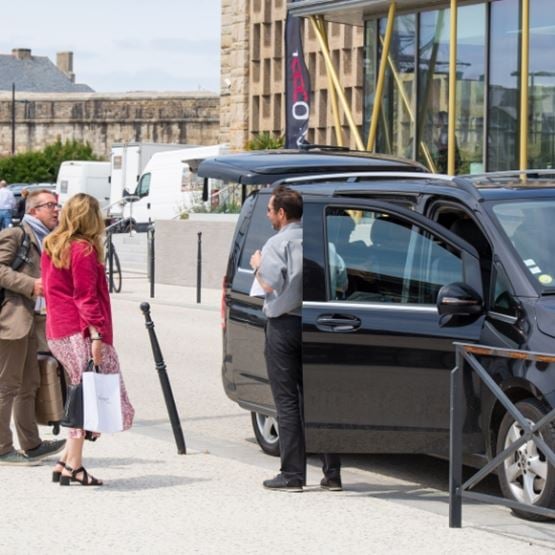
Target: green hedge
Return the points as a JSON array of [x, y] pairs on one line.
[[42, 166]]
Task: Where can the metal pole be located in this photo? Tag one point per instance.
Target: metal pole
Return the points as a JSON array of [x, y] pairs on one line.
[[199, 265], [110, 262], [333, 93], [164, 382], [151, 259], [455, 443], [337, 84], [451, 141], [381, 79], [524, 71], [13, 119]]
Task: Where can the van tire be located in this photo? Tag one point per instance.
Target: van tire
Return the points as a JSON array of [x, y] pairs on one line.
[[521, 467], [266, 433]]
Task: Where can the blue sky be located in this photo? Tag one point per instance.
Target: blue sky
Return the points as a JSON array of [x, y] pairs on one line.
[[127, 45]]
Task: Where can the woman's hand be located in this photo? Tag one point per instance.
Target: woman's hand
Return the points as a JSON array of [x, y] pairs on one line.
[[97, 349]]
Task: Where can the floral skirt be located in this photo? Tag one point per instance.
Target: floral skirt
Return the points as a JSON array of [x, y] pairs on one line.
[[74, 352]]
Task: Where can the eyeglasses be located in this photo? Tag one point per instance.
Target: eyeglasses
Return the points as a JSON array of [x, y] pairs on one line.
[[49, 205]]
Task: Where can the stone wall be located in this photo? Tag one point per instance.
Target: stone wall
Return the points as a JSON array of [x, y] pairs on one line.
[[106, 118], [176, 244]]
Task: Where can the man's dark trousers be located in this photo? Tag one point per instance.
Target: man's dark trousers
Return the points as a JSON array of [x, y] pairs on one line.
[[283, 353]]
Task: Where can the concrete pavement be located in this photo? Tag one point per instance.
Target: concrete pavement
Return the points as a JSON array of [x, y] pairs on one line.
[[211, 500]]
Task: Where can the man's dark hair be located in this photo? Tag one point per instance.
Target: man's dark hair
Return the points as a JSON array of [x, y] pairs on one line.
[[289, 200]]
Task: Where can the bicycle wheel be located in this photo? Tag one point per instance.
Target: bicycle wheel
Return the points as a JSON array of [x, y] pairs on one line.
[[116, 271]]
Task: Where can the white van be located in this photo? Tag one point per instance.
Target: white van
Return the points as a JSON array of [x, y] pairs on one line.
[[78, 176], [128, 163], [167, 186]]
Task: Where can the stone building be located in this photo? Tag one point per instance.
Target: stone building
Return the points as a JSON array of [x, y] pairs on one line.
[[49, 105], [252, 72]]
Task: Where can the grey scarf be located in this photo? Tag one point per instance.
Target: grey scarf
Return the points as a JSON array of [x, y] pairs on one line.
[[39, 229]]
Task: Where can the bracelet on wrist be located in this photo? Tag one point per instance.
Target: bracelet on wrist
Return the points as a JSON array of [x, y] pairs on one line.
[[96, 338]]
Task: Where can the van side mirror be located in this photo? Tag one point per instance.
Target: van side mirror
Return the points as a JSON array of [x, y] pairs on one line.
[[458, 305]]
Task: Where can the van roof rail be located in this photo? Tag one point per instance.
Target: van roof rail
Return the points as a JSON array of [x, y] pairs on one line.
[[355, 176], [508, 173]]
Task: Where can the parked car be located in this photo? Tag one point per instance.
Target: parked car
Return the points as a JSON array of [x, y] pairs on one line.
[[377, 353]]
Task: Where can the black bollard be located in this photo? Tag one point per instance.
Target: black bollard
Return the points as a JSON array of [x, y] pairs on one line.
[[110, 255], [164, 382], [151, 259], [199, 265]]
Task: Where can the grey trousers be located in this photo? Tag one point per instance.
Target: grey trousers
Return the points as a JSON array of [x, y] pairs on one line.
[[19, 382]]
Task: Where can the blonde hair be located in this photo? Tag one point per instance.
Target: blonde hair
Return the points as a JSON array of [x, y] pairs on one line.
[[80, 220]]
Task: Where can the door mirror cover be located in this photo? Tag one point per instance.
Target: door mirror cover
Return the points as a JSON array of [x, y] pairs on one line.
[[458, 305]]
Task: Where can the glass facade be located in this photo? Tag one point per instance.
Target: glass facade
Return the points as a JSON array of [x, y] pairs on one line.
[[416, 88]]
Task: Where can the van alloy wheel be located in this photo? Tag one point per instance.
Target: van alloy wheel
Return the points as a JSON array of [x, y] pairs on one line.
[[526, 476], [266, 433], [526, 470]]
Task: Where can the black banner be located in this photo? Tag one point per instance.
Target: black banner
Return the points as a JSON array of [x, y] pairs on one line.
[[297, 85]]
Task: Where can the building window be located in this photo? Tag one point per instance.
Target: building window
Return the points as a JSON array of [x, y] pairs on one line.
[[396, 129], [541, 82], [503, 93]]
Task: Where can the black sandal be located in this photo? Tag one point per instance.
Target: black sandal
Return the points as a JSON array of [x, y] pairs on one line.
[[56, 474], [87, 479]]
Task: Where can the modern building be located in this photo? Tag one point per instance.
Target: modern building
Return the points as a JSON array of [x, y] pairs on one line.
[[464, 82]]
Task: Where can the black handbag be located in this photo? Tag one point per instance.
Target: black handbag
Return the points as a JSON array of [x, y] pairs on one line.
[[73, 409]]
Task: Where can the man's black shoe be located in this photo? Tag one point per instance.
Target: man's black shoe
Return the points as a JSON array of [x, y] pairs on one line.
[[281, 483], [46, 448], [331, 484]]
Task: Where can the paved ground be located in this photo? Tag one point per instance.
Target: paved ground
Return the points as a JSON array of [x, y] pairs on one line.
[[211, 500]]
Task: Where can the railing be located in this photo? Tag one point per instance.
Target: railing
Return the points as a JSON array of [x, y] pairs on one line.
[[458, 490]]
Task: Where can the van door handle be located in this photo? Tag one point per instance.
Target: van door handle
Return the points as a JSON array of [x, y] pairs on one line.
[[338, 323]]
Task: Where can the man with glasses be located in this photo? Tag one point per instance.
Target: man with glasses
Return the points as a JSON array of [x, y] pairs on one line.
[[21, 315]]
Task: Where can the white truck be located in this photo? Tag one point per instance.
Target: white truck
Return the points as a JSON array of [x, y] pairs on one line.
[[80, 176], [167, 185], [128, 161]]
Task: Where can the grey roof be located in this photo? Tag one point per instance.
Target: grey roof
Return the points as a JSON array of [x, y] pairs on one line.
[[35, 74]]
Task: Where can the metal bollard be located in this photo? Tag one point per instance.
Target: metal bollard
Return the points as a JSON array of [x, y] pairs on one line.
[[151, 258], [199, 265], [110, 262], [164, 382]]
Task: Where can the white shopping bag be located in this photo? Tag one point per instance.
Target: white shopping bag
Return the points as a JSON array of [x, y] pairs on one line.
[[102, 402]]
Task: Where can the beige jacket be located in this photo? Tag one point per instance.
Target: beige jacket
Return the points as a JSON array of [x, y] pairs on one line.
[[17, 311]]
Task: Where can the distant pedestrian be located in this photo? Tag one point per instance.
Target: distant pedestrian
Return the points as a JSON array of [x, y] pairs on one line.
[[79, 316], [7, 205], [20, 323], [278, 269]]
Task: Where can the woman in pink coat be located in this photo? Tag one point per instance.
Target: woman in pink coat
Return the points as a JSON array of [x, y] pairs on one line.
[[78, 315]]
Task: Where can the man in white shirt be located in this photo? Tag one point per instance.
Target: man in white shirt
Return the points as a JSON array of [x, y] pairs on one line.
[[7, 205]]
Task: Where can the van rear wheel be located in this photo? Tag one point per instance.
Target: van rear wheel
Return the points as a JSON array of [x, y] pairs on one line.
[[266, 433], [527, 476]]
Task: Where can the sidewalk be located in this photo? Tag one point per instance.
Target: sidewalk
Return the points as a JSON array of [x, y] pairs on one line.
[[211, 500]]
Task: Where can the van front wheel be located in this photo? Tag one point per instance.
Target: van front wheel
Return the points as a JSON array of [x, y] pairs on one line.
[[266, 433], [526, 476]]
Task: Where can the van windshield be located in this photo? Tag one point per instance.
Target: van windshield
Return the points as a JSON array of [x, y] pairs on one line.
[[528, 225]]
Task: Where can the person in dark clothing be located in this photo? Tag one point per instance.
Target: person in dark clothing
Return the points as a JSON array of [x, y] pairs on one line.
[[278, 269]]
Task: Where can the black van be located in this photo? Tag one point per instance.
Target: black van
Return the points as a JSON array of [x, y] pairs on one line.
[[378, 340]]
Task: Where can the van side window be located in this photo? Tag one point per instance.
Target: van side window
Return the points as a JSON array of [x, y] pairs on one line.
[[143, 186], [377, 257], [259, 231], [503, 297]]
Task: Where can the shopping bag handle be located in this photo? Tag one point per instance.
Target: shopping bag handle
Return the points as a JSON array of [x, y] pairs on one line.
[[92, 367]]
